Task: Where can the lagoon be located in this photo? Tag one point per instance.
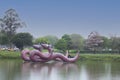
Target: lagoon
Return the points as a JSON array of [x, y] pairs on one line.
[[83, 70]]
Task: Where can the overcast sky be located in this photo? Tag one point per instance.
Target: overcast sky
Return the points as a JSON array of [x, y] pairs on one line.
[[59, 17]]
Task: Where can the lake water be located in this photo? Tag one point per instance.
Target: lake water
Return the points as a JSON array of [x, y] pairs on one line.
[[17, 70]]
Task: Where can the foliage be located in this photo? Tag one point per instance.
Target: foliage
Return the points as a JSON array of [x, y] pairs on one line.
[[9, 55], [94, 41], [100, 57], [3, 39], [106, 43], [61, 45], [77, 41], [115, 42], [68, 41], [52, 39], [2, 26], [22, 39], [41, 40], [10, 23]]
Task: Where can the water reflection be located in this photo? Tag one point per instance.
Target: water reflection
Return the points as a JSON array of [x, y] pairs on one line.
[[17, 70], [83, 73], [51, 71]]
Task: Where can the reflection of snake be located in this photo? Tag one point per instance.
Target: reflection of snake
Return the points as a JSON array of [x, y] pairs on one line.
[[47, 70], [38, 56]]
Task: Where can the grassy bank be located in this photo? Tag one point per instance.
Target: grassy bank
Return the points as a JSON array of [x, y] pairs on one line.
[[83, 57], [100, 57], [9, 55]]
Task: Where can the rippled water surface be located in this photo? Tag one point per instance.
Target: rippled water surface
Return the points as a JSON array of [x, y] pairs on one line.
[[17, 70]]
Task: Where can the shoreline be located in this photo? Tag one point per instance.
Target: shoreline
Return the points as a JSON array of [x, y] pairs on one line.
[[83, 57]]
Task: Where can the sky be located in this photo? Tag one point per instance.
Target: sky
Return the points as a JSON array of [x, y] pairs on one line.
[[59, 17]]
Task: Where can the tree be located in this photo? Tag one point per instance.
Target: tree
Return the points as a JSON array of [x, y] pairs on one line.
[[52, 39], [22, 39], [68, 41], [94, 41], [61, 45], [77, 41], [115, 42], [2, 26], [41, 40], [3, 38], [10, 23], [106, 43]]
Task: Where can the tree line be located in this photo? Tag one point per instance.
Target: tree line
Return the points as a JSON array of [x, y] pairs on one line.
[[9, 24], [95, 42]]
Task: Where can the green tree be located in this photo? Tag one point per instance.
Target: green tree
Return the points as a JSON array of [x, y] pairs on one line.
[[10, 23], [52, 39], [3, 36], [115, 42], [106, 43], [22, 39], [2, 26], [3, 39], [77, 41], [68, 41], [41, 40], [61, 45]]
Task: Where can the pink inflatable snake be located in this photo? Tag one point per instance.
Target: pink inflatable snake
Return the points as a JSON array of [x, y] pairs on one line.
[[38, 56]]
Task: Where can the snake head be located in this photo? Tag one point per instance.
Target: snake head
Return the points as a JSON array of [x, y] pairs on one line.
[[38, 47], [46, 46]]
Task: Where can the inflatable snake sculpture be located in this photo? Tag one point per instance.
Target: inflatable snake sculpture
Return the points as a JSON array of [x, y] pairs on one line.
[[38, 56]]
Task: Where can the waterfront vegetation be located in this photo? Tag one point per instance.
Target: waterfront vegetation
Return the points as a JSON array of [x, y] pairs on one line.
[[9, 55], [83, 56], [100, 57]]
